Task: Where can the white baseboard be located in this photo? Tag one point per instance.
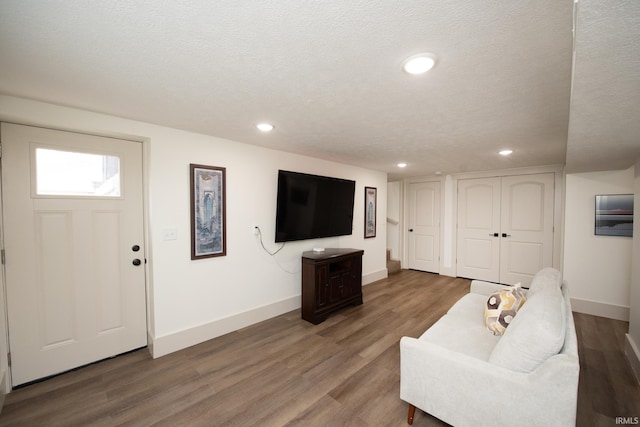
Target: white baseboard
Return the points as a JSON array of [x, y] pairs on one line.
[[161, 346], [4, 387], [150, 342], [633, 354], [374, 277], [610, 311], [5, 383]]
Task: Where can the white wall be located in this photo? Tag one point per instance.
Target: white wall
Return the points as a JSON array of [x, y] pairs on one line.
[[5, 385], [394, 214], [192, 301], [448, 228], [597, 268], [633, 337]]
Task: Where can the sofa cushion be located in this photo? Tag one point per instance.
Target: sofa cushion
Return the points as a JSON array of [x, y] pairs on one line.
[[535, 334], [545, 278], [461, 335], [501, 308], [470, 307]]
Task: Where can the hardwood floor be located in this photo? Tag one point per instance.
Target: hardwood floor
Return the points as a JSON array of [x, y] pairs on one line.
[[286, 371], [608, 388]]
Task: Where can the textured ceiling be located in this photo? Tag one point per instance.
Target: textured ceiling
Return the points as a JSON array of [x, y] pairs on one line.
[[604, 128], [328, 75]]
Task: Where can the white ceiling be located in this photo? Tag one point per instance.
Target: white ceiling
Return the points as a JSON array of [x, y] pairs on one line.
[[604, 129], [328, 75]]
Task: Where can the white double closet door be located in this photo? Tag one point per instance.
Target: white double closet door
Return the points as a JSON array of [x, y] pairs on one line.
[[505, 227]]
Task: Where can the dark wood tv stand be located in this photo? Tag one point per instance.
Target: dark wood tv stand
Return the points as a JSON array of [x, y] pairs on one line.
[[331, 280]]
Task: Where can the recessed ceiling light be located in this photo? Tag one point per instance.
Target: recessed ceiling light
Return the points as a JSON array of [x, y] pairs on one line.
[[265, 127], [419, 63], [505, 152], [402, 165]]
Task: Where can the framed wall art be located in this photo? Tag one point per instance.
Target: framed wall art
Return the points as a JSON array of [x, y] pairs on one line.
[[370, 207], [208, 211], [614, 215]]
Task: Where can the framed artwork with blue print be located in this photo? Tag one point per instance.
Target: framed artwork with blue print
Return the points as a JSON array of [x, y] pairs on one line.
[[370, 206], [614, 215], [208, 211]]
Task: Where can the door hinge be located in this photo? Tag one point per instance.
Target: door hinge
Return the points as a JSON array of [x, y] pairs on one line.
[[9, 359], [2, 256]]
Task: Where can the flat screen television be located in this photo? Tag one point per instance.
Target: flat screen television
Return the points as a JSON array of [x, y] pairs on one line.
[[313, 206]]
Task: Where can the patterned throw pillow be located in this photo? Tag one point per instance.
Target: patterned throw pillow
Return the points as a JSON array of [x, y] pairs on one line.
[[501, 307]]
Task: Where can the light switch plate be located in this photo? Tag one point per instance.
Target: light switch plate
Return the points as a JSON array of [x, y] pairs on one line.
[[170, 234]]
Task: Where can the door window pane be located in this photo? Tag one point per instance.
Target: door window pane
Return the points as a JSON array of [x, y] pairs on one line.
[[66, 173]]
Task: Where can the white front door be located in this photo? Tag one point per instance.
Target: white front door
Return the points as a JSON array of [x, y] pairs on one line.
[[479, 229], [73, 227], [424, 226], [526, 227]]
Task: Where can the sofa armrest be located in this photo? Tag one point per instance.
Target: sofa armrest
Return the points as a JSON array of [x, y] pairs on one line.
[[465, 391], [485, 288]]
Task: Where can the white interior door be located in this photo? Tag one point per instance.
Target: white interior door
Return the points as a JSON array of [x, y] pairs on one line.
[[479, 229], [73, 222], [424, 226], [526, 227]]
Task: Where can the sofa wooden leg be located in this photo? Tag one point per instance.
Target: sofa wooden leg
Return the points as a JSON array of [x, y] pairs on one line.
[[412, 411]]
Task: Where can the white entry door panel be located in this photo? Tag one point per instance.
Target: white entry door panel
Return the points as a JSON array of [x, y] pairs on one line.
[[479, 228], [424, 226], [527, 227], [74, 295]]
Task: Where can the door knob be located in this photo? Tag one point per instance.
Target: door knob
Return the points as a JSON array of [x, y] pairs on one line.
[[411, 230], [136, 262], [494, 235], [135, 248], [506, 235]]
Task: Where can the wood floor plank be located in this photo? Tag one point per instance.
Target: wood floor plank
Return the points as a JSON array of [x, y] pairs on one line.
[[286, 371]]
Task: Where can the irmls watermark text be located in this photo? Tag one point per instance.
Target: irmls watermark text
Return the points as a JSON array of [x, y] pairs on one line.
[[628, 420]]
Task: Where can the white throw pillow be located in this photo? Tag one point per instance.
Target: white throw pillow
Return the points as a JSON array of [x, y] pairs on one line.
[[535, 334]]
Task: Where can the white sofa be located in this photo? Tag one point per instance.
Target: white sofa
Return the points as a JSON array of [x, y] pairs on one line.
[[461, 373]]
